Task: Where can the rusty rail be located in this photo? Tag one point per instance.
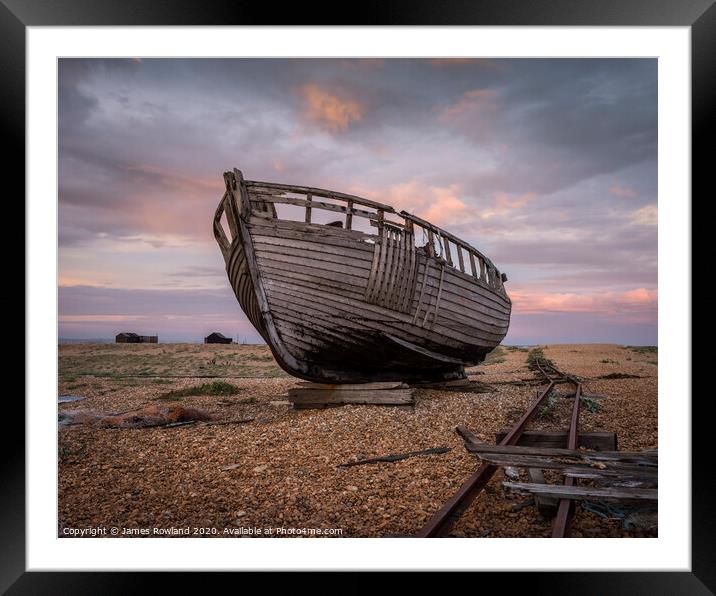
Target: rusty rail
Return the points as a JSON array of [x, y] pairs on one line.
[[560, 525], [442, 521]]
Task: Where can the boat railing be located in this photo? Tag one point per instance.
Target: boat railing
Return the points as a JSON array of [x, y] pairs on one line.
[[440, 243]]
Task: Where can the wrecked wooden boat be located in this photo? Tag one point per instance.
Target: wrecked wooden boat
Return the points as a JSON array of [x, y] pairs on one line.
[[375, 296]]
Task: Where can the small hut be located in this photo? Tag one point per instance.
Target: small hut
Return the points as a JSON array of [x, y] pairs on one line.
[[217, 338], [127, 338], [133, 338]]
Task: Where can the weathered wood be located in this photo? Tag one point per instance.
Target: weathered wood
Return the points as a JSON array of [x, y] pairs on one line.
[[599, 441], [349, 215], [562, 491], [309, 201], [546, 505], [395, 457], [433, 228], [473, 267], [640, 457], [548, 463], [320, 192], [353, 386], [311, 204]]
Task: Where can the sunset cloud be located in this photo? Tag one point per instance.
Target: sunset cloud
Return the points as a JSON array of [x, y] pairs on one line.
[[328, 110], [623, 191], [440, 205], [640, 300]]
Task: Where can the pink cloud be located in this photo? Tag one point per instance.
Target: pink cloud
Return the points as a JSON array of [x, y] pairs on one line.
[[328, 110], [640, 302], [623, 191], [440, 205]]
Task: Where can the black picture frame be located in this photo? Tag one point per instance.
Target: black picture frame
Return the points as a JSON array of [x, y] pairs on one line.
[[699, 15]]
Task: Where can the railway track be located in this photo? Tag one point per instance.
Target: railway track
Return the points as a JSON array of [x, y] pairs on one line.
[[443, 520]]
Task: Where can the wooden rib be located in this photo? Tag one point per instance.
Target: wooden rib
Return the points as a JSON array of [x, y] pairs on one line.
[[411, 279], [431, 243], [349, 215], [472, 264], [384, 297], [373, 276], [422, 290], [400, 298], [440, 291], [460, 258], [380, 275], [309, 200], [448, 256]]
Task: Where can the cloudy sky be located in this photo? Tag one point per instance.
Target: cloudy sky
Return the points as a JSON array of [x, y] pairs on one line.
[[547, 166]]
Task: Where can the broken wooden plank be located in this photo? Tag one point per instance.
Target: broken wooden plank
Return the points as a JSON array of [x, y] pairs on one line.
[[599, 441], [395, 457], [638, 457], [562, 491], [172, 424], [224, 422], [548, 463]]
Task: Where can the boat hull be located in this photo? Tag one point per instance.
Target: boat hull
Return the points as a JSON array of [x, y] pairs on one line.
[[340, 306]]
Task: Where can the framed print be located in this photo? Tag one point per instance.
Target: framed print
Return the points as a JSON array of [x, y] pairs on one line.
[[363, 285]]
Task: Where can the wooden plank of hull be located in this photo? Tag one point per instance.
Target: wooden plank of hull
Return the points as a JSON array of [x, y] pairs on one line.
[[352, 309], [319, 304], [350, 286]]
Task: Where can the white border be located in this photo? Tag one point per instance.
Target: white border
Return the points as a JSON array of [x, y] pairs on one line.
[[671, 551]]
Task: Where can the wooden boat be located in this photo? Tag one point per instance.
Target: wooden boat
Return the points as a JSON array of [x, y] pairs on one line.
[[357, 300]]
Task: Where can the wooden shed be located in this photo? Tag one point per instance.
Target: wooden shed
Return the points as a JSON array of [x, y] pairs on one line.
[[217, 338], [133, 338], [127, 338]]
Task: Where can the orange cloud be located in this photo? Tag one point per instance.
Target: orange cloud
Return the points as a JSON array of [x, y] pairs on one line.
[[175, 180], [470, 103], [329, 111], [623, 191], [440, 205], [505, 202]]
